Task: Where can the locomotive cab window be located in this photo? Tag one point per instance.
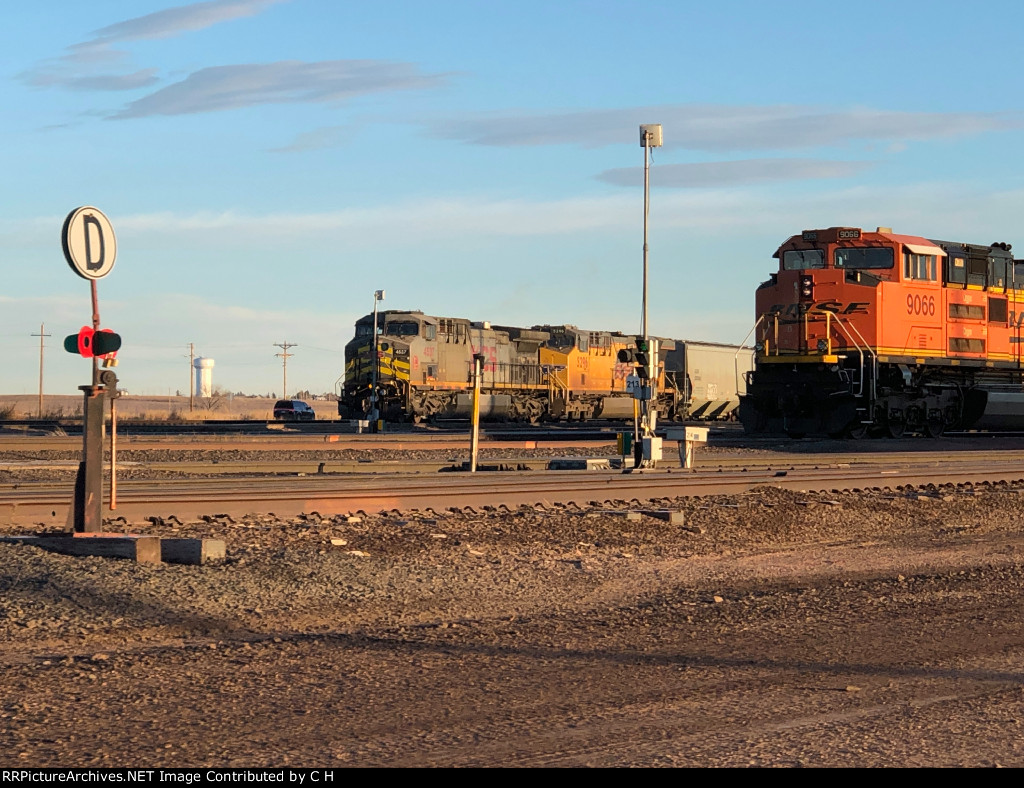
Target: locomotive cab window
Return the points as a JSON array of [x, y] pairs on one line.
[[921, 267], [801, 259], [864, 257], [977, 271], [997, 272], [430, 332], [1018, 275], [404, 328]]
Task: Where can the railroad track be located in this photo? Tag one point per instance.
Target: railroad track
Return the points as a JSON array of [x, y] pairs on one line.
[[312, 463], [138, 501]]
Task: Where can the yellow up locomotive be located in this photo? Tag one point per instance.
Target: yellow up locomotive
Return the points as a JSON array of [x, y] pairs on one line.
[[424, 367]]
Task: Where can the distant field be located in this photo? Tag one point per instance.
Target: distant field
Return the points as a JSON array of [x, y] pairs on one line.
[[26, 406]]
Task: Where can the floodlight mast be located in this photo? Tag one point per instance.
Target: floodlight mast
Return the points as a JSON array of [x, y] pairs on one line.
[[647, 448], [650, 137]]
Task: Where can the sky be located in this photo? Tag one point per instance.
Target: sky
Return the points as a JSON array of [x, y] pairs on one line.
[[266, 165]]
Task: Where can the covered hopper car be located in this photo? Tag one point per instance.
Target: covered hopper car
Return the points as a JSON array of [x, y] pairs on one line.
[[423, 368], [863, 332]]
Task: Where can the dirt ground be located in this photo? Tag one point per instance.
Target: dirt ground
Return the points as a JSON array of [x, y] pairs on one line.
[[776, 628]]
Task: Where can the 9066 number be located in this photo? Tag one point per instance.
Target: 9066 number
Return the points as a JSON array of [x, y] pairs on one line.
[[920, 305]]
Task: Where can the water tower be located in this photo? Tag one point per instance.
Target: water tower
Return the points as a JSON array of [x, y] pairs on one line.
[[204, 376]]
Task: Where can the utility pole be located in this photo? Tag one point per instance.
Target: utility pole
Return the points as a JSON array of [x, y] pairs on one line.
[[41, 334], [284, 355], [191, 376]]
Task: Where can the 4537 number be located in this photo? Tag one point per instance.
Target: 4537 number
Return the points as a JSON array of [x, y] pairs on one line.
[[920, 305]]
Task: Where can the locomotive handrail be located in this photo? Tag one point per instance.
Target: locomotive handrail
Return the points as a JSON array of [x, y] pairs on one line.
[[736, 355], [848, 330], [555, 382], [861, 347]]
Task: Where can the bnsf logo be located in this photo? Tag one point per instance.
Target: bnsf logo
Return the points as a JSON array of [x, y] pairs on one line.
[[835, 307]]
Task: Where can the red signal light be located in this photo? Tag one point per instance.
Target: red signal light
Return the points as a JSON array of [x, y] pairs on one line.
[[88, 343]]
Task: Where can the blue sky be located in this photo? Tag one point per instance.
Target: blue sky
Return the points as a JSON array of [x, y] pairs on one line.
[[268, 164]]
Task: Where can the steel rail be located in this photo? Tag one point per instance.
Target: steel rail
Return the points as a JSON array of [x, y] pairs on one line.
[[328, 496], [319, 461]]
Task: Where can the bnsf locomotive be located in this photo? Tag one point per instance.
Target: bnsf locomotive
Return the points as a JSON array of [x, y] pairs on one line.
[[879, 333], [424, 365]]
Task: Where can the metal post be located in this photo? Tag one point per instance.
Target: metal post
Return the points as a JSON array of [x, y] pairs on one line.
[[378, 295], [647, 199], [650, 137], [113, 453], [375, 368], [474, 438], [95, 327], [88, 507], [191, 377]]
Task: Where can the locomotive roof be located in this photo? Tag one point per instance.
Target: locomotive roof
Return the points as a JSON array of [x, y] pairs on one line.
[[918, 244]]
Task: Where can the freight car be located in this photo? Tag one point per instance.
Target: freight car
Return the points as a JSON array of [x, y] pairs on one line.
[[879, 333], [423, 367]]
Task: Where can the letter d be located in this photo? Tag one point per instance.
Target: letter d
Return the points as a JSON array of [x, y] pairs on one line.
[[88, 220]]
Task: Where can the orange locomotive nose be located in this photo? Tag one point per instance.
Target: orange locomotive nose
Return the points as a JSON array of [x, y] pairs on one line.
[[880, 332]]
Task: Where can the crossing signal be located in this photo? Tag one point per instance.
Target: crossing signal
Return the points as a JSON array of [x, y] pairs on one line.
[[88, 343]]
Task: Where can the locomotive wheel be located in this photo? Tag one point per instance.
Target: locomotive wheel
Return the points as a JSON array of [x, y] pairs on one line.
[[935, 426], [897, 425]]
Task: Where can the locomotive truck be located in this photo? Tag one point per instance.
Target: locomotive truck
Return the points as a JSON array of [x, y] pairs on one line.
[[423, 369], [879, 333]]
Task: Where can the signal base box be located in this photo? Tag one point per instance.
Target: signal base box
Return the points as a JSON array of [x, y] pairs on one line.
[[652, 449]]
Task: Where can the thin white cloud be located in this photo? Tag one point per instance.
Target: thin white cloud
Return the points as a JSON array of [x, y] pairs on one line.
[[718, 129], [927, 208], [92, 68], [429, 219], [231, 87], [82, 67], [180, 19], [735, 173], [911, 206], [143, 78]]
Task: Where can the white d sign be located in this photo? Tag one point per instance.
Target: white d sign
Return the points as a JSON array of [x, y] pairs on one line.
[[89, 243]]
